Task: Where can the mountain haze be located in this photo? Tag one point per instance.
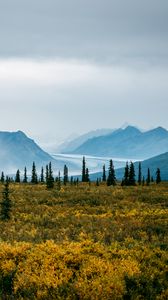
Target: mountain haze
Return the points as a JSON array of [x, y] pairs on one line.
[[69, 146], [128, 143], [18, 151]]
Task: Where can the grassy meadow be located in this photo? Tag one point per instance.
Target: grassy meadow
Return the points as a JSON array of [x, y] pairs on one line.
[[85, 242]]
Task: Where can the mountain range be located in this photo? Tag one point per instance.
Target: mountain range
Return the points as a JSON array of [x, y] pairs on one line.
[[18, 151], [159, 161], [72, 145], [129, 143]]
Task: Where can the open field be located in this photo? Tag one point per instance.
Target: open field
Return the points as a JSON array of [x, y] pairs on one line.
[[85, 242]]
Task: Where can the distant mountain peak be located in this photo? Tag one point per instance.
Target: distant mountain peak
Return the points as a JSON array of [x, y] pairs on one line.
[[131, 128]]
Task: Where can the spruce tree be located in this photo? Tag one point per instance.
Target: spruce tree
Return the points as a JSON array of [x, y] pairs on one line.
[[17, 177], [139, 174], [87, 175], [34, 174], [46, 174], [83, 170], [104, 173], [50, 178], [6, 203], [42, 175], [2, 177], [97, 182], [65, 176], [148, 179], [131, 179], [158, 176], [125, 180], [111, 180], [72, 180], [25, 175], [59, 181]]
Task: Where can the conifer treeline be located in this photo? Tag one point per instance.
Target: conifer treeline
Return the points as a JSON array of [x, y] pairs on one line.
[[107, 177]]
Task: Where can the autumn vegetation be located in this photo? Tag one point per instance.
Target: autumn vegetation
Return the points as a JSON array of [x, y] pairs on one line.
[[83, 241]]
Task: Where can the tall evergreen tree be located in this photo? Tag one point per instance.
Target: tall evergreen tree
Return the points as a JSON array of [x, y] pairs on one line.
[[111, 180], [139, 174], [104, 173], [87, 175], [34, 174], [65, 176], [46, 174], [6, 203], [2, 177], [131, 179], [125, 180], [17, 177], [42, 175], [50, 179], [148, 179], [158, 176], [59, 181], [25, 175], [83, 170]]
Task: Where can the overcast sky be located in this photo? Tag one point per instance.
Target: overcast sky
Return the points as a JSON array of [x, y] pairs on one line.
[[70, 66]]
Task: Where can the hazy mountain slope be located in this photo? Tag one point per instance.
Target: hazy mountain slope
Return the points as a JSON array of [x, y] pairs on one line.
[[160, 161], [129, 143], [68, 147], [18, 151]]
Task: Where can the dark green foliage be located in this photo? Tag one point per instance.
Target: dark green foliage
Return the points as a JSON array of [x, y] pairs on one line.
[[148, 179], [131, 180], [6, 203], [2, 177], [104, 173], [71, 181], [158, 176], [50, 178], [65, 178], [83, 170], [125, 180], [42, 175], [34, 174], [139, 174], [59, 181], [111, 180], [46, 175], [25, 175], [97, 182], [87, 175], [17, 177]]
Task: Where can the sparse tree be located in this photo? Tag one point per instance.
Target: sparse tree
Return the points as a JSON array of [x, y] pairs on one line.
[[83, 170], [65, 177], [42, 175], [148, 179], [2, 177], [104, 173], [17, 177], [158, 176], [25, 175], [50, 178], [59, 181], [34, 174], [125, 180], [139, 174], [87, 175], [47, 172], [97, 182], [6, 203], [131, 179], [111, 180]]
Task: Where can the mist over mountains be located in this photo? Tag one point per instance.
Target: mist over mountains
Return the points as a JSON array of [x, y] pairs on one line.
[[128, 143], [18, 151]]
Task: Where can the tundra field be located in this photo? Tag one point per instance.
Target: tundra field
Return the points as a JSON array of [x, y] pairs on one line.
[[85, 242]]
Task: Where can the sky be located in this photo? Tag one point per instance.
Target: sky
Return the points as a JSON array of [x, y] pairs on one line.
[[68, 67]]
